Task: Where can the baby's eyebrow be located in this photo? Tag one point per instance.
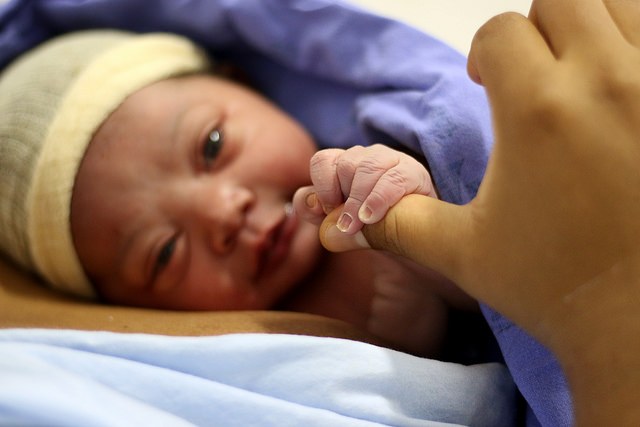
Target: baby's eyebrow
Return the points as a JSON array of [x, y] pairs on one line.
[[176, 126], [174, 135]]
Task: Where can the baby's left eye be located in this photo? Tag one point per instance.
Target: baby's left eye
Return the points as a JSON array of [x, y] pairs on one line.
[[212, 146]]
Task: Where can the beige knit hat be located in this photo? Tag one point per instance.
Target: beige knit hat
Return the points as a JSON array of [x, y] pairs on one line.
[[52, 100]]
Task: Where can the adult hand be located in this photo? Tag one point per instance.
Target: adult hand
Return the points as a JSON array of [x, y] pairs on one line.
[[552, 239]]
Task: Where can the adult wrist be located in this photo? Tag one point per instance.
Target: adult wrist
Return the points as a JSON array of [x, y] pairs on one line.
[[595, 333]]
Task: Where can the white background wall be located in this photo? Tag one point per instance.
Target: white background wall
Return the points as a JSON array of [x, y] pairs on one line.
[[454, 21]]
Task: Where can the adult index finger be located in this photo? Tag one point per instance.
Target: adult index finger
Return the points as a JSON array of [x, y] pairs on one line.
[[431, 232]]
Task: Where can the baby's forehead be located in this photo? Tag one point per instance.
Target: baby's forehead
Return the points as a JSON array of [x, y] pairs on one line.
[[177, 91], [145, 109]]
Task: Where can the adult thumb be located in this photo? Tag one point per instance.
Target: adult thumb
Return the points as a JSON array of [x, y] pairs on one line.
[[421, 228]]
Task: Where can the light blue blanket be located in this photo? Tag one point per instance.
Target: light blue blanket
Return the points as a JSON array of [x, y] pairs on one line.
[[75, 378]]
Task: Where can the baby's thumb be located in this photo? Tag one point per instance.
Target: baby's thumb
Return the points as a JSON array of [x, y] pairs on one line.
[[424, 229]]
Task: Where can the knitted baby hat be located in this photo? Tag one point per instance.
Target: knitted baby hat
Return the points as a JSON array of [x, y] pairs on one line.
[[52, 100]]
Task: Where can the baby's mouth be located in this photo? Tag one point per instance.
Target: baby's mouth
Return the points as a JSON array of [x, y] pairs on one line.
[[276, 244]]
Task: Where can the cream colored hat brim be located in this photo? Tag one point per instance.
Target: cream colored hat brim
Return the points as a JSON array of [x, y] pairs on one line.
[[99, 89]]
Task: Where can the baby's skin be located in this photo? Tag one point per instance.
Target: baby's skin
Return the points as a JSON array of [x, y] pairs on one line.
[[367, 180], [194, 216]]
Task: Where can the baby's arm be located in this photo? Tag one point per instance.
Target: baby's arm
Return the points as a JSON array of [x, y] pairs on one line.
[[368, 180]]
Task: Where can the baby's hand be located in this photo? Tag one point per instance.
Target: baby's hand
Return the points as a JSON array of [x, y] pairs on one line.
[[368, 180]]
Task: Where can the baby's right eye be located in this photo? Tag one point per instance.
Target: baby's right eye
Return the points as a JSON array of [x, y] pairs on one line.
[[164, 257], [212, 146]]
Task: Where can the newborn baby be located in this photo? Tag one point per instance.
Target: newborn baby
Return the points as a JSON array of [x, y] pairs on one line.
[[160, 184]]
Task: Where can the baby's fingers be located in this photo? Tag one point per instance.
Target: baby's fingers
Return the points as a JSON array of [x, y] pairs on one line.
[[375, 190], [390, 188], [325, 179], [307, 205]]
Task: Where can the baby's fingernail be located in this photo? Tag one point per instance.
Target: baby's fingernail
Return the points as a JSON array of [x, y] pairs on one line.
[[344, 222], [365, 213], [311, 200]]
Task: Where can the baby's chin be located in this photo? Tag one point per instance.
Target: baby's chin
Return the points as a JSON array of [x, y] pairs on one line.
[[304, 256]]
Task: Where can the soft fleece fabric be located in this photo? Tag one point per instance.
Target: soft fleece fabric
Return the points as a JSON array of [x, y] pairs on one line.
[[78, 378], [351, 78]]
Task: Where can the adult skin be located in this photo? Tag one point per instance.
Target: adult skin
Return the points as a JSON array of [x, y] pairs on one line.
[[26, 303], [552, 239]]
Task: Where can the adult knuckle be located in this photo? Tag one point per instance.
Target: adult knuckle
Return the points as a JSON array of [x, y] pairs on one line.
[[495, 26], [550, 106], [620, 81]]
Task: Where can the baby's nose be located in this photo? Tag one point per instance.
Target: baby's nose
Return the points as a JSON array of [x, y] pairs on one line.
[[226, 215]]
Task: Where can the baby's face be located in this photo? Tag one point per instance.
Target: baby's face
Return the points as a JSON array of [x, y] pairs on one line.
[[180, 201]]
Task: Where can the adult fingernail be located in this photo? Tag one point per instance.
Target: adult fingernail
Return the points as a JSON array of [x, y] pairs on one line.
[[344, 222]]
